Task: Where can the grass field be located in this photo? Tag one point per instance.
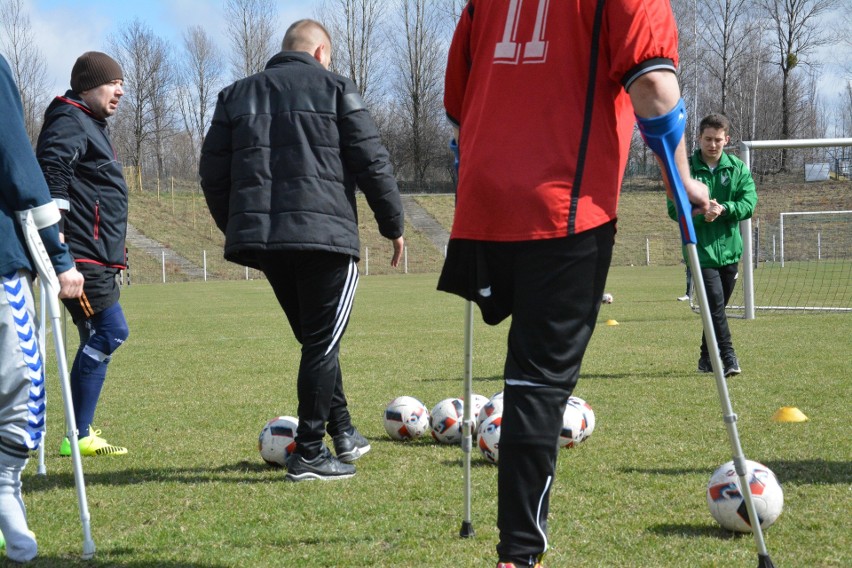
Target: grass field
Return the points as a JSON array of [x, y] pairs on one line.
[[207, 364]]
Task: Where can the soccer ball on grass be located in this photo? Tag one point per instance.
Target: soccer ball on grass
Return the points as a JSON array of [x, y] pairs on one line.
[[406, 418], [277, 440], [588, 415], [493, 406], [489, 438], [726, 502], [446, 420]]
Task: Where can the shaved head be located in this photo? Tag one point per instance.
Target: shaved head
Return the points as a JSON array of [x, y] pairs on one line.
[[305, 35]]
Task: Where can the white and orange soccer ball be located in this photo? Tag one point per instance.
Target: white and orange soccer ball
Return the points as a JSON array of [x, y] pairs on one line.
[[406, 418], [277, 440], [726, 502], [588, 415], [573, 427], [477, 402], [493, 406], [446, 421], [489, 438]]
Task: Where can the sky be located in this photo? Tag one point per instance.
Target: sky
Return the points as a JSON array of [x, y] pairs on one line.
[[66, 28]]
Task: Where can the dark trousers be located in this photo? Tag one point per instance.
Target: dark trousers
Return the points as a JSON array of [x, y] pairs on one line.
[[552, 288], [316, 289], [719, 284]]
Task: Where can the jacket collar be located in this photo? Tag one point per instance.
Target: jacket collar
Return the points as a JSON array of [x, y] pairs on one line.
[[698, 162], [73, 99], [284, 57]]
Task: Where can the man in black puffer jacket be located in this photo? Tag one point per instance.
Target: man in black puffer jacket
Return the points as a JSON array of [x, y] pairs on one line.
[[279, 168]]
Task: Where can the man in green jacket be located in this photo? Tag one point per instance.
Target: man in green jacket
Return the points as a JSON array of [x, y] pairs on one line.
[[720, 245]]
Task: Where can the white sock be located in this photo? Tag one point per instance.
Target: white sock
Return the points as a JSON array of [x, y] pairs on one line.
[[20, 542]]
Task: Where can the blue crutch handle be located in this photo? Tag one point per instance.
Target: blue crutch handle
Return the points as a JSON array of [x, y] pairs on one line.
[[662, 134]]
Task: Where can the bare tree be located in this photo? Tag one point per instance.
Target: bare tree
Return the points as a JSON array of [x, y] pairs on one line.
[[29, 68], [451, 11], [355, 27], [727, 24], [200, 79], [251, 26], [419, 83], [797, 32], [149, 80]]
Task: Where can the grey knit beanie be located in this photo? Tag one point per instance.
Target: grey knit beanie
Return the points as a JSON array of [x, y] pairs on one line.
[[93, 69]]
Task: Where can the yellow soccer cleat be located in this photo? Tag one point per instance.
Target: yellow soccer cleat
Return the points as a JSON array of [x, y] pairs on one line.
[[92, 445]]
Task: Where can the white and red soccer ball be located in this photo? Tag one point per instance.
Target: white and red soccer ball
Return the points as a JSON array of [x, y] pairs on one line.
[[493, 406], [446, 420], [489, 438], [478, 401], [406, 418], [726, 501], [277, 440], [578, 422]]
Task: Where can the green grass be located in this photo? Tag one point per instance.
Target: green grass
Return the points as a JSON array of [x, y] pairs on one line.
[[207, 364]]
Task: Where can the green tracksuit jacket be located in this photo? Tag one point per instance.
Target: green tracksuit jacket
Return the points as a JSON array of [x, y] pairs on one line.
[[730, 184]]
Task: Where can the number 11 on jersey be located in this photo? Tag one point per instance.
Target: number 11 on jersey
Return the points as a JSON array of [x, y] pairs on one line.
[[508, 50]]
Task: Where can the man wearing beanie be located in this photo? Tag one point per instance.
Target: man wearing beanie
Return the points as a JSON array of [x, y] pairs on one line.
[[85, 179]]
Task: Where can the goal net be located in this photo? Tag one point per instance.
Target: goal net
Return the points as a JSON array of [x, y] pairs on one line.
[[802, 261]]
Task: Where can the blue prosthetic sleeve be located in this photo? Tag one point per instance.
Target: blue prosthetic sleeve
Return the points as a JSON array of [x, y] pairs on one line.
[[662, 134], [454, 146]]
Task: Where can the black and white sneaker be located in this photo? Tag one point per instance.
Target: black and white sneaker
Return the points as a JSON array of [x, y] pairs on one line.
[[350, 446], [704, 365], [324, 467], [732, 366]]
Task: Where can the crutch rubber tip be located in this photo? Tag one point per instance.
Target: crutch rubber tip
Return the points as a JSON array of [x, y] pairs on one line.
[[467, 530], [88, 550]]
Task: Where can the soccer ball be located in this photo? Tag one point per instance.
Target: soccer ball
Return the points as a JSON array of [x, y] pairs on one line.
[[446, 420], [489, 438], [406, 418], [493, 406], [277, 440], [573, 427], [726, 501], [607, 298], [588, 414], [477, 402]]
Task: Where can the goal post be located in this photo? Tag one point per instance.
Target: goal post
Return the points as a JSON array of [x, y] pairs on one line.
[[746, 226]]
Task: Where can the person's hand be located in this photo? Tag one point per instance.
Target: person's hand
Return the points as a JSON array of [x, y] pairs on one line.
[[70, 284], [398, 246], [698, 195], [714, 212]]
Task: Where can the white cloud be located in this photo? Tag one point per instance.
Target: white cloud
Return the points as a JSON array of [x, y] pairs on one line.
[[63, 33], [66, 29]]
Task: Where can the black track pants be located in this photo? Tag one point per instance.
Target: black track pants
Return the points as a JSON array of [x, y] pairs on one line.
[[316, 290], [719, 284]]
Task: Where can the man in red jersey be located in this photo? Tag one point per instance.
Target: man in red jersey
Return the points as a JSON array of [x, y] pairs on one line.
[[544, 96]]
